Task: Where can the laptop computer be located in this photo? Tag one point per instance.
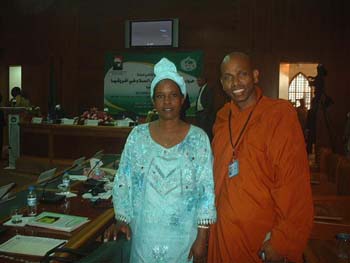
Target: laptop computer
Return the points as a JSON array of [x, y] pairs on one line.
[[78, 162], [4, 191], [46, 175], [77, 166]]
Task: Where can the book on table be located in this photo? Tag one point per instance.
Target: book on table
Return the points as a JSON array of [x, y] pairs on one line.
[[30, 245], [58, 221]]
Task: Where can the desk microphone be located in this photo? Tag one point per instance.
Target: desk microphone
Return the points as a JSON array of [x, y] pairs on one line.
[[48, 197]]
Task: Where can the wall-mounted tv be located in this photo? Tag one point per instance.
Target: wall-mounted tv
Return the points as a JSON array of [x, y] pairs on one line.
[[152, 33]]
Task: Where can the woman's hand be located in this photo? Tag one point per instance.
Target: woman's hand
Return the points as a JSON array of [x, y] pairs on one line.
[[199, 248], [111, 233], [124, 228]]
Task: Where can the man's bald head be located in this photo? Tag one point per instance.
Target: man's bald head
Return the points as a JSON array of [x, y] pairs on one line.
[[238, 55]]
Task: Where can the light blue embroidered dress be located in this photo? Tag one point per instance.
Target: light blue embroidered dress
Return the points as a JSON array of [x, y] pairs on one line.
[[164, 193]]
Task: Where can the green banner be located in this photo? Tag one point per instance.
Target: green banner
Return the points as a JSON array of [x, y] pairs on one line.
[[128, 78]]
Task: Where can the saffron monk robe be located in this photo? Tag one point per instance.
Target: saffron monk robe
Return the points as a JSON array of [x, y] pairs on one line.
[[261, 173]]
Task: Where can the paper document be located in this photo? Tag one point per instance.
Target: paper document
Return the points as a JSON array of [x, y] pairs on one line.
[[58, 221], [24, 222], [30, 245]]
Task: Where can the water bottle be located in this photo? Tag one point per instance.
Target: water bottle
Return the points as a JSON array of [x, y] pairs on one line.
[[32, 202], [66, 182]]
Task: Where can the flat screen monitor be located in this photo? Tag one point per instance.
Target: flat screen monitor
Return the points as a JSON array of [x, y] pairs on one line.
[[151, 33]]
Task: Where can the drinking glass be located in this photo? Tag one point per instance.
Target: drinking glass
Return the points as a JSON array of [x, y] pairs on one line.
[[16, 215], [343, 245]]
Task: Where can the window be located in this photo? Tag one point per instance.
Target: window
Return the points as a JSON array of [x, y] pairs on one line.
[[299, 88]]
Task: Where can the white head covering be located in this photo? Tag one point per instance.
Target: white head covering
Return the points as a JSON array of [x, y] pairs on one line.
[[165, 69]]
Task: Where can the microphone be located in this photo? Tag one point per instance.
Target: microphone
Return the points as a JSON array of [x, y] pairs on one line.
[[50, 197]]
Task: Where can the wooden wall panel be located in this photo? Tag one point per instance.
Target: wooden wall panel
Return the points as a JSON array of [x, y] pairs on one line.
[[75, 35]]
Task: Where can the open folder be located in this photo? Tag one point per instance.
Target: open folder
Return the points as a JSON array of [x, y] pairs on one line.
[[30, 245]]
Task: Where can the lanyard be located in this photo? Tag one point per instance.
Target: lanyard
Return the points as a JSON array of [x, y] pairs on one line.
[[234, 146]]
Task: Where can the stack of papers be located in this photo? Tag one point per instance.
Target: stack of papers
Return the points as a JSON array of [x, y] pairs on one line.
[[58, 221]]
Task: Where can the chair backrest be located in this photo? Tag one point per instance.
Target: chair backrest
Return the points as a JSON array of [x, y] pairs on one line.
[[324, 156], [343, 183], [332, 167]]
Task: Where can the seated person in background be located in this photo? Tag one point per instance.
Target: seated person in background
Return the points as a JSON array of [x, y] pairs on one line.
[[18, 100], [163, 191]]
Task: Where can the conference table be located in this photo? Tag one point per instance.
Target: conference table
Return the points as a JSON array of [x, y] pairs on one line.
[[100, 214]]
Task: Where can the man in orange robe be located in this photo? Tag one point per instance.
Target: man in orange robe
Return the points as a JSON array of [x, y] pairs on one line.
[[262, 181]]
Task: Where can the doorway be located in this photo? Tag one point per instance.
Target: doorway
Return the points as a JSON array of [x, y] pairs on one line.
[[15, 78]]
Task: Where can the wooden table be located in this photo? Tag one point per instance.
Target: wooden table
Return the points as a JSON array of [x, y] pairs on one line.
[[101, 217], [332, 216], [57, 141]]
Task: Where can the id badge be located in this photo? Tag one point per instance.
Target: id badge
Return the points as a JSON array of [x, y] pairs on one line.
[[233, 168]]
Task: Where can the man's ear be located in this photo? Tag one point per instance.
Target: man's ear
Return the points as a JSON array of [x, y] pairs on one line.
[[255, 76]]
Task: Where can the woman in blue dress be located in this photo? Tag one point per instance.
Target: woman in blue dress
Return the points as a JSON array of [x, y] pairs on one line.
[[164, 193]]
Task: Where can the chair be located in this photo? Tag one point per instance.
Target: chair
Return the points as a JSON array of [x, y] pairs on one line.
[[110, 252], [333, 166], [343, 183], [324, 155]]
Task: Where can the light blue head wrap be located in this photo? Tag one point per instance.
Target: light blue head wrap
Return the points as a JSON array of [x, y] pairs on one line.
[[165, 69]]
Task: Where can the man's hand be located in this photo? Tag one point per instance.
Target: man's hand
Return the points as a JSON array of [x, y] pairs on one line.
[[270, 253], [199, 248]]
